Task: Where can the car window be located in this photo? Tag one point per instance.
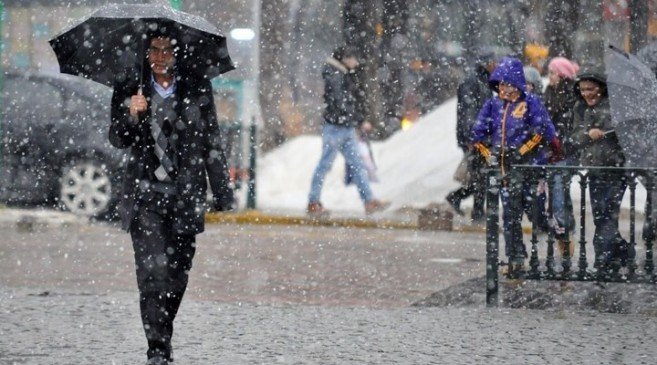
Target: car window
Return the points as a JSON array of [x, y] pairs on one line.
[[35, 101]]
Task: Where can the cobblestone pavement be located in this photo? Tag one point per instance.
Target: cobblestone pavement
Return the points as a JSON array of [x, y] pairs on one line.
[[74, 328], [287, 295]]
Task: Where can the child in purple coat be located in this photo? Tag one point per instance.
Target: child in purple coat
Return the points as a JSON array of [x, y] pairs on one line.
[[513, 128]]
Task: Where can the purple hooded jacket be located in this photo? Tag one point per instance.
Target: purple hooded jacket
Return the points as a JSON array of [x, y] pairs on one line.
[[515, 132]]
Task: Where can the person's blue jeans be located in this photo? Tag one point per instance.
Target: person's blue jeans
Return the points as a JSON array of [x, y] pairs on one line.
[[562, 206], [606, 193], [340, 139]]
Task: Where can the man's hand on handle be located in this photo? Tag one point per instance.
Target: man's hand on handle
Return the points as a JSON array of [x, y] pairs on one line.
[[138, 104]]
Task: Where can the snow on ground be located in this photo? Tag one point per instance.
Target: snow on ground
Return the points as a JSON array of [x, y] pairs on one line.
[[415, 168]]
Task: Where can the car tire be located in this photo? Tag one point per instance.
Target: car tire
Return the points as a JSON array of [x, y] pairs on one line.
[[86, 189]]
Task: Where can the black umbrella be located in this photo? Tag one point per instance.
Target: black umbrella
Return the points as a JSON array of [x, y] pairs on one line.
[[632, 88], [112, 40]]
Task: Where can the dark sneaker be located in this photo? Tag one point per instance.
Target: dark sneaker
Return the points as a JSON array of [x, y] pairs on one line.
[[157, 360], [316, 210], [455, 203], [374, 206]]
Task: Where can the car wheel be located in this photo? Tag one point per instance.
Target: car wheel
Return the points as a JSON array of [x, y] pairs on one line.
[[86, 189]]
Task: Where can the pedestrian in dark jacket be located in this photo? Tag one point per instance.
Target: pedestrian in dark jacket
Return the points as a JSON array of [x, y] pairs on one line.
[[560, 100], [534, 207], [594, 139], [341, 118], [471, 95], [170, 126], [509, 130]]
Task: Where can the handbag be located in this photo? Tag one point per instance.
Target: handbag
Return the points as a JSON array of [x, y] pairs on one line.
[[462, 173]]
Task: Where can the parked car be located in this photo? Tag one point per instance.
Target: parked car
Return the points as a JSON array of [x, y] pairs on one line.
[[54, 149]]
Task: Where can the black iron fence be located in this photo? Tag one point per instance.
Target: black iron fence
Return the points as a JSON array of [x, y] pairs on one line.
[[543, 263]]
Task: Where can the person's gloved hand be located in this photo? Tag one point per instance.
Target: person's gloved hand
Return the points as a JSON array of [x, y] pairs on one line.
[[224, 203], [557, 152]]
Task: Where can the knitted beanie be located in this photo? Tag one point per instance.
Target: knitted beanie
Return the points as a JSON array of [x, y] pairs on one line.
[[563, 67]]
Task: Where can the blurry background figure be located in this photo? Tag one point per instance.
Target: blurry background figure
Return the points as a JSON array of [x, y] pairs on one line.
[[536, 55], [342, 116], [540, 216], [560, 100], [534, 80], [472, 93]]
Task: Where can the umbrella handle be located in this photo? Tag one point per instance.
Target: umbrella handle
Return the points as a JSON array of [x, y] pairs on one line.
[[139, 91]]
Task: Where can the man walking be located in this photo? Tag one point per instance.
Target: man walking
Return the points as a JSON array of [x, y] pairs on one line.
[[170, 126], [341, 117], [471, 95]]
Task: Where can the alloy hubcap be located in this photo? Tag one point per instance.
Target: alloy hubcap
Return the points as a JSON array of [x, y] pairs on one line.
[[86, 189]]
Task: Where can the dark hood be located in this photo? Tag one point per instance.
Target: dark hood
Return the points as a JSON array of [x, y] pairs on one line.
[[593, 73]]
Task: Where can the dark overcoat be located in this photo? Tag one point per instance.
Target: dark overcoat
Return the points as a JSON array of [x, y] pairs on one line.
[[198, 148]]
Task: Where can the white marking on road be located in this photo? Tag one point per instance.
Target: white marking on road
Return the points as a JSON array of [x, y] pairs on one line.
[[447, 261]]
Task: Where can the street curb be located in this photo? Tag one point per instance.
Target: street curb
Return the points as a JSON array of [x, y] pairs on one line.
[[258, 217], [28, 220]]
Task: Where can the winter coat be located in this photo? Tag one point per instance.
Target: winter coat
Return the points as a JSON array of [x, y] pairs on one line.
[[512, 131], [559, 102], [603, 152], [471, 95], [340, 95], [198, 149]]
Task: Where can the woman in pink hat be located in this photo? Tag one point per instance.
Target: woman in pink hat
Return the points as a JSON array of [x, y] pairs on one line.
[[559, 100]]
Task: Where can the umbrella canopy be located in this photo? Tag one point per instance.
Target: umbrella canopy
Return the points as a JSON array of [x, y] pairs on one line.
[[113, 39], [632, 90]]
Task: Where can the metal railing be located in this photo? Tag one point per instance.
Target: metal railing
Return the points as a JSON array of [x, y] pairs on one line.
[[547, 267]]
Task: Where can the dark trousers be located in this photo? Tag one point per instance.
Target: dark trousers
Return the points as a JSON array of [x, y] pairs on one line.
[[163, 260], [606, 193], [475, 187]]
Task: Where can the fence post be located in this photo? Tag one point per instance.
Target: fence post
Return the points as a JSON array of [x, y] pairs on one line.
[[631, 261], [582, 226], [649, 237], [492, 238], [251, 190]]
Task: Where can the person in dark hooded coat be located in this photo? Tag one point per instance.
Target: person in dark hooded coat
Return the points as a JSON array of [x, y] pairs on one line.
[[471, 95], [594, 140], [169, 124], [509, 131]]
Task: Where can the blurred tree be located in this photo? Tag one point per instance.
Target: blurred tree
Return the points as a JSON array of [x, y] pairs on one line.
[[274, 34], [359, 30], [560, 26], [394, 60], [591, 38], [638, 24]]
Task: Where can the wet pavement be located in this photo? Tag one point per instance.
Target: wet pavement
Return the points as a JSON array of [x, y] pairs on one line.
[[287, 294], [68, 328]]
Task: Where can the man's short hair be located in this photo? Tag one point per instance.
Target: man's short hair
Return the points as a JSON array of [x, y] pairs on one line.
[[159, 30], [343, 52]]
